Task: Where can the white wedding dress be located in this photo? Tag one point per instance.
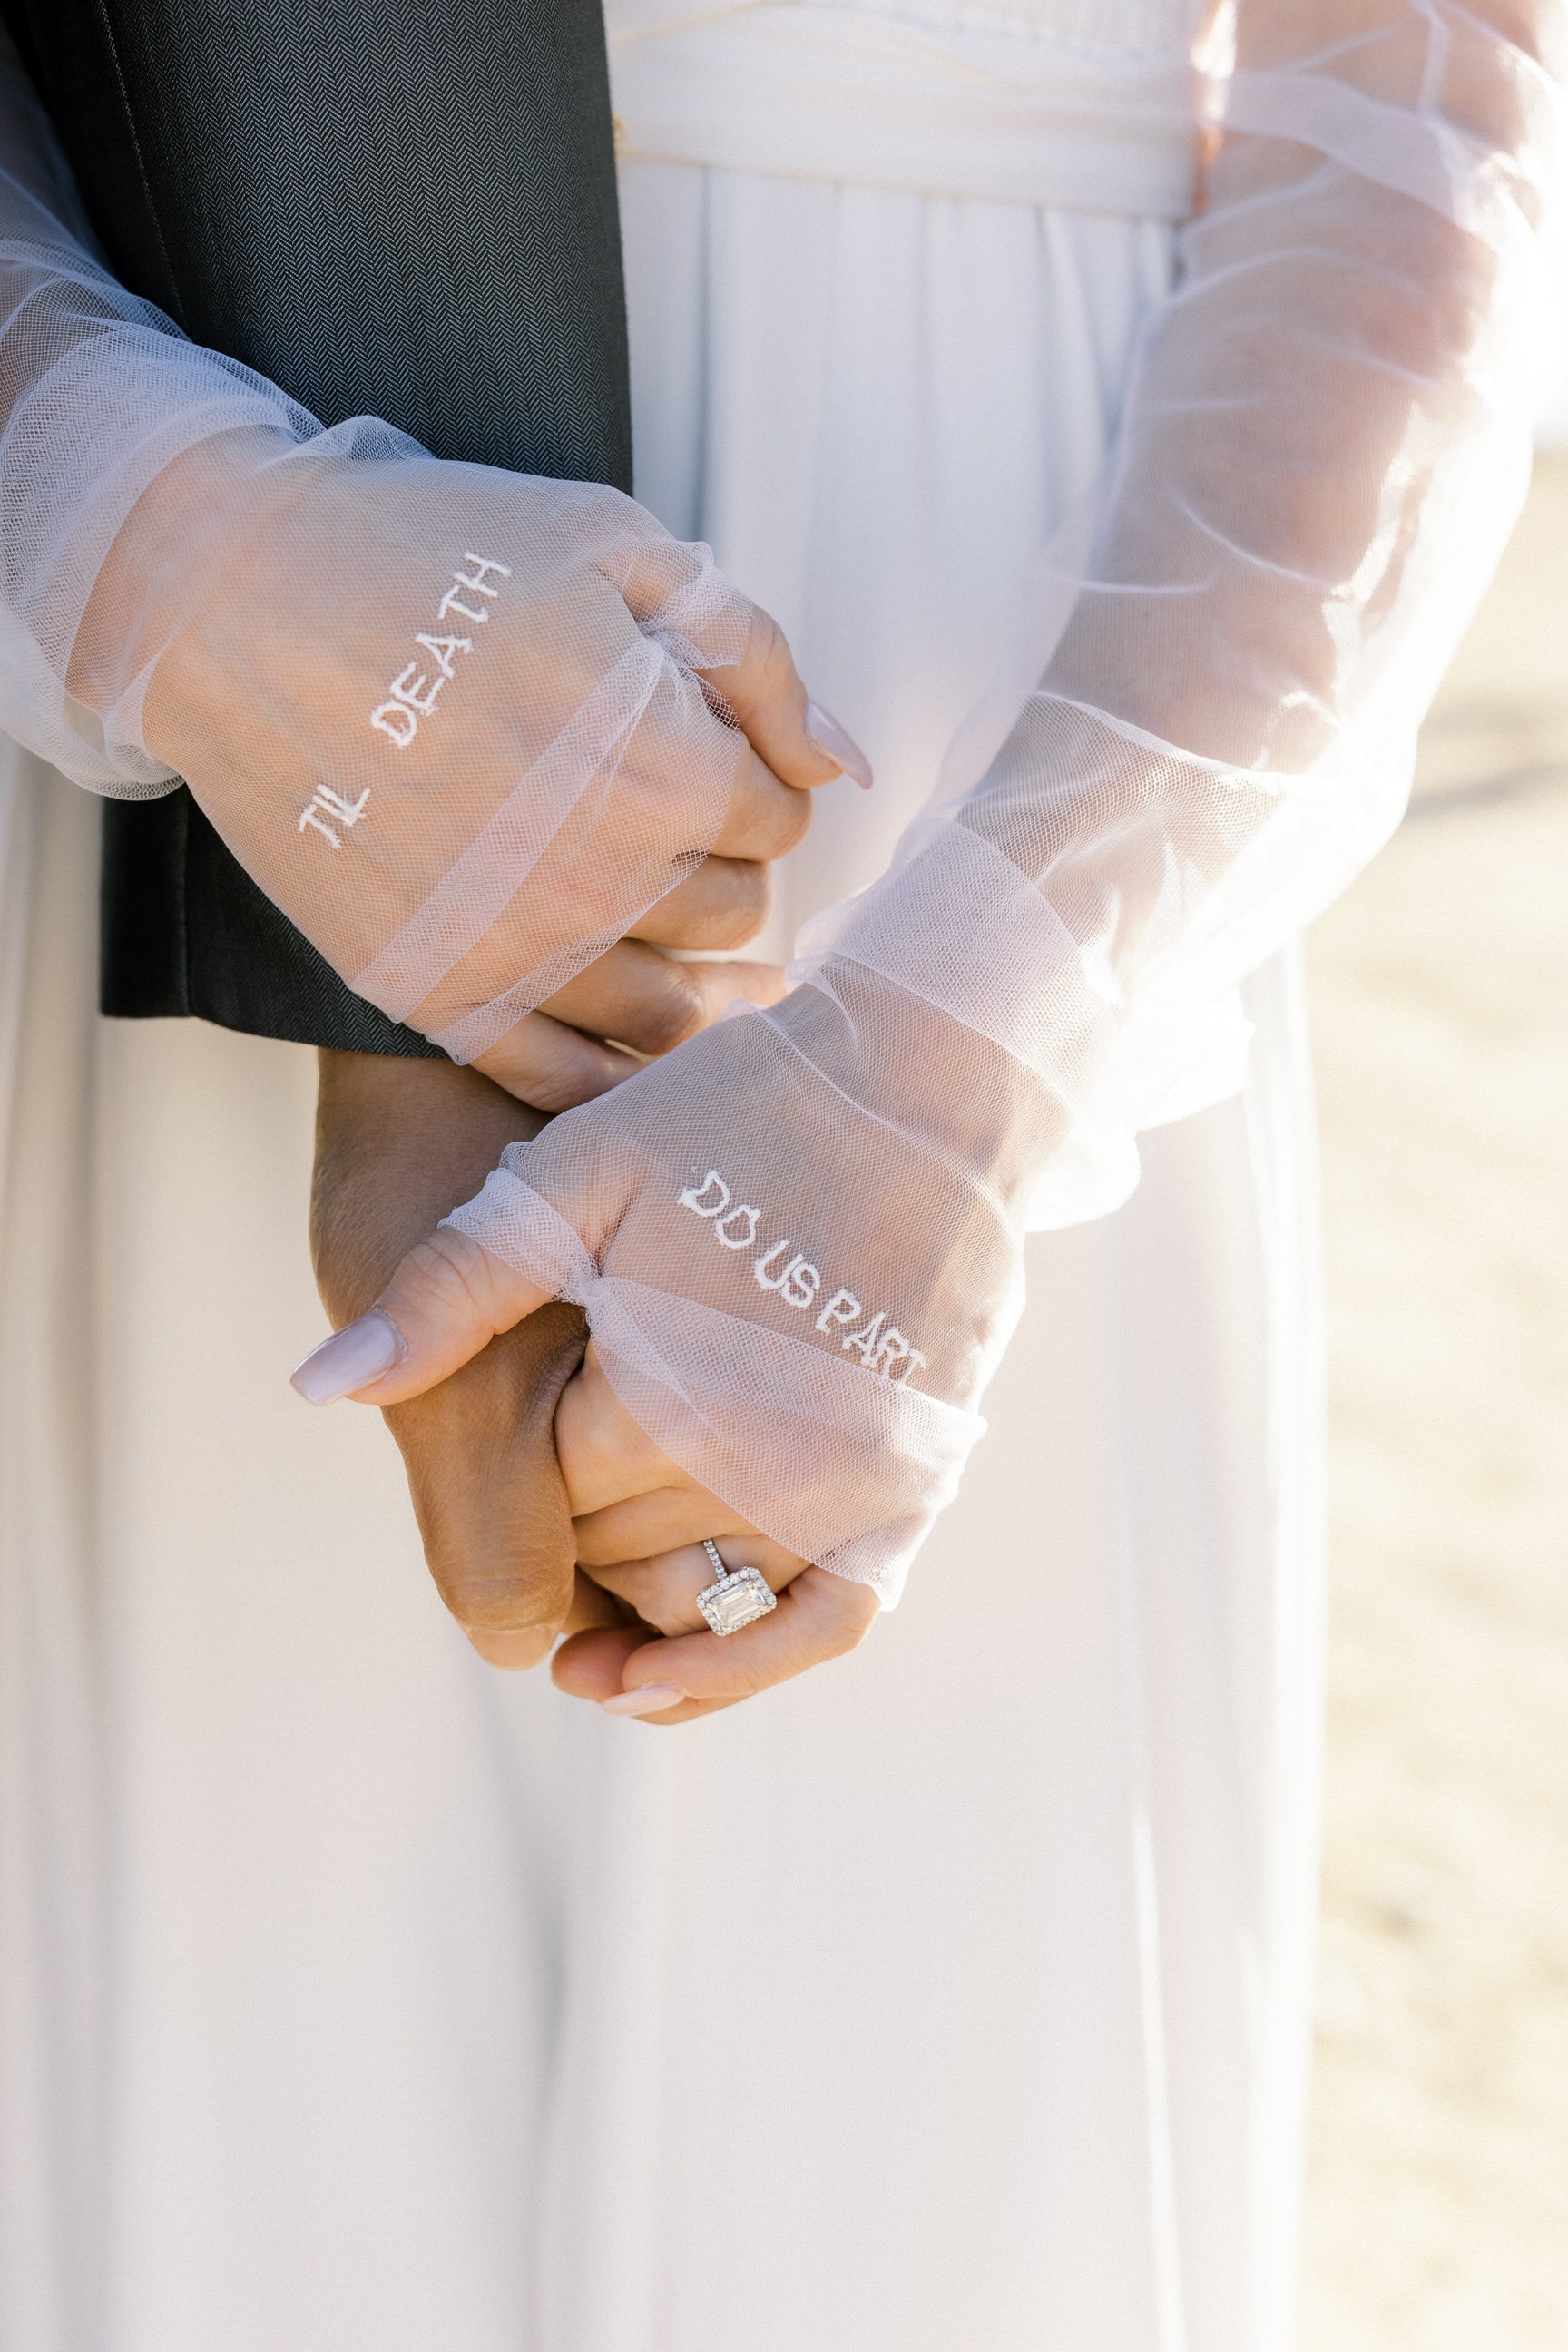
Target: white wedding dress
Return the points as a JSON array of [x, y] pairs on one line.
[[353, 1999]]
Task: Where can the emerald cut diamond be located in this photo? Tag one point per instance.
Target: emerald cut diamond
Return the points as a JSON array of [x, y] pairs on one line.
[[741, 1596]]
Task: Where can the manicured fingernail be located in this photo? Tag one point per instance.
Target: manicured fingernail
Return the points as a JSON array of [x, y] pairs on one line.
[[350, 1360], [837, 743], [648, 1698]]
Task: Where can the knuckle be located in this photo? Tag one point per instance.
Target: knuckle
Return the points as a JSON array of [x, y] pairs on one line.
[[674, 1011], [449, 1280], [742, 901], [842, 1613], [443, 1271], [738, 674], [754, 890], [849, 1635], [563, 1091], [792, 822], [769, 662], [549, 1071]]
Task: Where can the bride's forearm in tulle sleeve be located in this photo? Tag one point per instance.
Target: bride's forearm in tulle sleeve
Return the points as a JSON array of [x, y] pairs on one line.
[[1325, 444], [1352, 337], [100, 396]]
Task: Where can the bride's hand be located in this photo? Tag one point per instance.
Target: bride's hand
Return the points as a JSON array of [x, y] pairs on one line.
[[795, 1291], [469, 730], [640, 1522]]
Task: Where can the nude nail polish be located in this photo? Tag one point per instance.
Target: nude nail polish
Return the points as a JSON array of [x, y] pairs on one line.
[[836, 743], [648, 1698], [350, 1360]]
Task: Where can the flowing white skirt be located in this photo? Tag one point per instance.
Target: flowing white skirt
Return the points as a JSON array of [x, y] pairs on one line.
[[355, 2000]]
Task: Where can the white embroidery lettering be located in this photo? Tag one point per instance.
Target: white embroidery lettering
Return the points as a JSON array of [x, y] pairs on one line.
[[482, 563], [865, 1340], [396, 720], [417, 691], [798, 1283], [349, 811], [770, 1281], [782, 1268], [452, 603], [694, 1200], [444, 648], [801, 1282], [414, 692], [311, 817]]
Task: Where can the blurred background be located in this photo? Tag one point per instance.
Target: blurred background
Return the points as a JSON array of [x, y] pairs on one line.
[[1438, 2207]]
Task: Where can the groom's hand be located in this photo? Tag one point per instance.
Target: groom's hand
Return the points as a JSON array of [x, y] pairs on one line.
[[399, 1143]]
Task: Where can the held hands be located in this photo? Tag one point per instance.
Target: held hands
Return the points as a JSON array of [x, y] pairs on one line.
[[591, 756], [398, 1142], [639, 1524], [520, 1548], [795, 1291]]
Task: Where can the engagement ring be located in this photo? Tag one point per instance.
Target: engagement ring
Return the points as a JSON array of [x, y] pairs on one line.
[[741, 1596]]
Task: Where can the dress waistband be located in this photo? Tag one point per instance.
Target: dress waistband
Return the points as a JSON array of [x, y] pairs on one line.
[[836, 93]]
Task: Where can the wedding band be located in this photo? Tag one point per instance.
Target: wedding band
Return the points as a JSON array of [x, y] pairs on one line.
[[741, 1596]]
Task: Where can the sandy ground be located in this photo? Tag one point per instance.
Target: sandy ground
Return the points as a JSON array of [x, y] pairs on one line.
[[1438, 2210]]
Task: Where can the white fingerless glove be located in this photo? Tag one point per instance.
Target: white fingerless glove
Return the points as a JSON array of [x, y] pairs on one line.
[[447, 717]]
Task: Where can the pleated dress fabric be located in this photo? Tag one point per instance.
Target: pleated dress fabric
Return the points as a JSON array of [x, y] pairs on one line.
[[353, 1999]]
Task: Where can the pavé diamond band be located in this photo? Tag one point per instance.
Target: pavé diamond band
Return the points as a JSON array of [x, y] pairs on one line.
[[741, 1596]]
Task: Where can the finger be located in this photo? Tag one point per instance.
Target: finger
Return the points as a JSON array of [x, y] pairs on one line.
[[658, 1519], [487, 1495], [606, 1455], [591, 1664], [670, 1681], [723, 904], [515, 1651], [592, 1607], [553, 1067], [448, 1299], [764, 819], [663, 1590], [397, 1143], [801, 742], [645, 999]]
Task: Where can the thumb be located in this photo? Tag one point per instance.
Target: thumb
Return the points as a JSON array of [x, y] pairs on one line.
[[447, 1300], [801, 743]]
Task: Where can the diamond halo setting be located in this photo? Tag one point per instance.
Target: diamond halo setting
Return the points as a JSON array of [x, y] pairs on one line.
[[741, 1596]]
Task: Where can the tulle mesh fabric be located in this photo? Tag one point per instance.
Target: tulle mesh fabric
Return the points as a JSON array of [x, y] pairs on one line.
[[798, 1239], [448, 718]]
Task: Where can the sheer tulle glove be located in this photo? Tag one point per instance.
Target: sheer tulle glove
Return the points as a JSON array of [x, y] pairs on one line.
[[798, 1240], [467, 728], [797, 1272], [451, 718]]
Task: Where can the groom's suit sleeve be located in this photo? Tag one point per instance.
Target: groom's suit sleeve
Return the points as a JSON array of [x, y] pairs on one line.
[[398, 207]]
